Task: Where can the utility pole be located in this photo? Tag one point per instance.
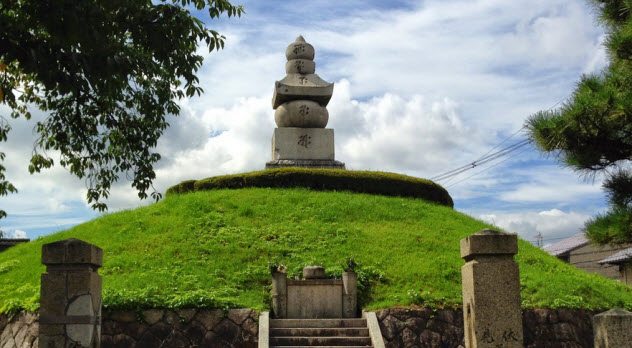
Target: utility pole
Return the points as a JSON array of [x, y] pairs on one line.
[[539, 239]]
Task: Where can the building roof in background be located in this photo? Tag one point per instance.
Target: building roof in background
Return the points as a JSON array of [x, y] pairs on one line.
[[7, 243], [566, 245], [622, 256]]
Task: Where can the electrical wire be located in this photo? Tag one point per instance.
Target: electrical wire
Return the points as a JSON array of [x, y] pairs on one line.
[[481, 161], [488, 168]]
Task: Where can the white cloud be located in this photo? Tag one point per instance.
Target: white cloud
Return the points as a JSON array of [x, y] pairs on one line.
[[418, 91], [550, 184], [15, 234], [395, 133], [552, 224], [387, 132]]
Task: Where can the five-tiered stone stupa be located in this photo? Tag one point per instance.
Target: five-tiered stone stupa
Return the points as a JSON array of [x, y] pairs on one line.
[[300, 100]]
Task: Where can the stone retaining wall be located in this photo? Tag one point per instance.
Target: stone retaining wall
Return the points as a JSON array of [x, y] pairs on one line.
[[152, 328], [401, 327], [424, 327], [19, 331]]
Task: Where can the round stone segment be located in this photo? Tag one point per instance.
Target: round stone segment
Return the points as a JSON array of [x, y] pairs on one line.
[[299, 49], [301, 114], [300, 66], [314, 272]]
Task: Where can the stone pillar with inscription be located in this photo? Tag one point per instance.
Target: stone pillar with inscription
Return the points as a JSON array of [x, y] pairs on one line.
[[491, 291], [70, 297], [300, 100]]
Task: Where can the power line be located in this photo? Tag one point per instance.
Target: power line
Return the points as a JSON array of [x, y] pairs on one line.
[[487, 157], [502, 142], [490, 167], [482, 160], [484, 156]]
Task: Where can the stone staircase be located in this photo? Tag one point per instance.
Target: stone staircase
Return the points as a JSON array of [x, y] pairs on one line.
[[319, 333]]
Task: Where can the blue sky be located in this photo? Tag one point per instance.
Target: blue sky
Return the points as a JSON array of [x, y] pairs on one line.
[[421, 87]]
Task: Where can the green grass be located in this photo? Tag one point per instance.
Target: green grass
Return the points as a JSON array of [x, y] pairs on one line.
[[321, 179], [215, 249]]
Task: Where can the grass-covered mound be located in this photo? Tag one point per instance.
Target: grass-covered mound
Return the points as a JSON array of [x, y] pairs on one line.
[[381, 183], [215, 248]]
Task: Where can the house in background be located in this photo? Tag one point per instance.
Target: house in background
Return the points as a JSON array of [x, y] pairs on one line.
[[609, 261], [622, 259], [6, 243]]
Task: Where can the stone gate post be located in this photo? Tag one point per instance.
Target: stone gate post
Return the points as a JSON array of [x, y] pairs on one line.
[[613, 329], [350, 294], [279, 294], [491, 291], [70, 297]]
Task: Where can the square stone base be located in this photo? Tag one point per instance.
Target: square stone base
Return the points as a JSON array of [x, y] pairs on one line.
[[302, 144], [306, 163]]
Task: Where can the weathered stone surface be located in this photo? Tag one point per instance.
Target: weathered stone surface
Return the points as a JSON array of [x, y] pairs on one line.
[[146, 340], [491, 291], [350, 295], [238, 316], [186, 314], [444, 328], [172, 319], [314, 301], [134, 329], [613, 329], [72, 251], [122, 341], [80, 333], [195, 331], [305, 163], [302, 87], [301, 82], [70, 295], [398, 325], [226, 333], [292, 143], [299, 49], [50, 341], [314, 272], [53, 298], [489, 242], [300, 66], [124, 316], [300, 101], [251, 327], [301, 114], [80, 282], [209, 318], [152, 316]]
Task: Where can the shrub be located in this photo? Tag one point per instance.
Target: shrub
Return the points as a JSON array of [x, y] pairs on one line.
[[380, 183]]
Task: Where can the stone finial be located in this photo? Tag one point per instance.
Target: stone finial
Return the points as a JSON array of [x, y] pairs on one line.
[[299, 49], [301, 97], [613, 329]]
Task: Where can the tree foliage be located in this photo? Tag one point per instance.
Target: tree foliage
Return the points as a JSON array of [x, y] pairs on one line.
[[107, 73], [592, 131]]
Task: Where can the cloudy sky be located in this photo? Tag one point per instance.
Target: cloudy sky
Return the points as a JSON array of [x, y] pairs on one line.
[[421, 87]]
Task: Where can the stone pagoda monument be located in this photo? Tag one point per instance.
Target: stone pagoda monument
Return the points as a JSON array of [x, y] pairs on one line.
[[300, 100]]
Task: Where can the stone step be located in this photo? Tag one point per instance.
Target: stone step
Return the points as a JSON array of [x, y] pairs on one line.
[[319, 341], [317, 323], [327, 331]]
